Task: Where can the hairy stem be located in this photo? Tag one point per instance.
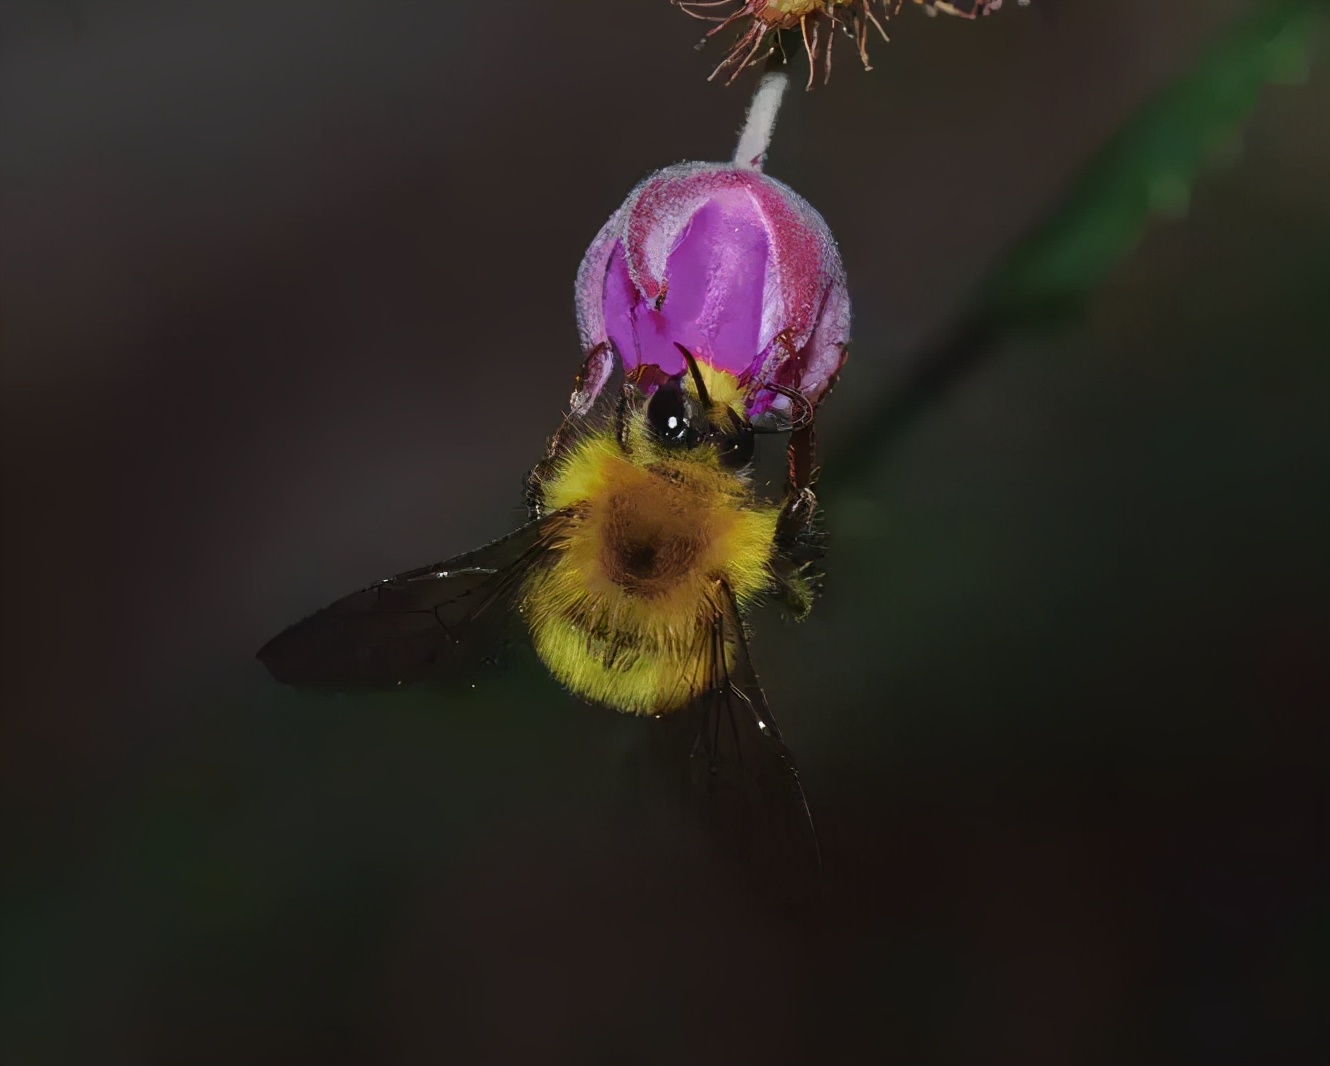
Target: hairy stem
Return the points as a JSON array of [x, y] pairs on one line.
[[761, 120]]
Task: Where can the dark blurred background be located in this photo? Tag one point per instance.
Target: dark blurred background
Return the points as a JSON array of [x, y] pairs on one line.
[[287, 307]]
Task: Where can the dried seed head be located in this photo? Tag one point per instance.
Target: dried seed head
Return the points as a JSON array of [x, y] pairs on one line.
[[817, 22]]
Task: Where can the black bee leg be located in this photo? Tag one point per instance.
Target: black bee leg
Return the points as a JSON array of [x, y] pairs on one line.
[[533, 485], [587, 386], [621, 418], [532, 494], [533, 491]]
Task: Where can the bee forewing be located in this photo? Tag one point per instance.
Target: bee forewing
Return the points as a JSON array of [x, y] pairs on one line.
[[436, 620]]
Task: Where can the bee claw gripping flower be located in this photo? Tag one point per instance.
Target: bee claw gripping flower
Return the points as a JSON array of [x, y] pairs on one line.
[[727, 262]]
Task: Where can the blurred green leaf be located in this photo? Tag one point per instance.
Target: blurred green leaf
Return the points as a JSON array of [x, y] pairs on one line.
[[1149, 167]]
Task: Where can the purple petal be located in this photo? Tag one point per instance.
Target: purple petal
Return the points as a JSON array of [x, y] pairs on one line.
[[827, 348], [620, 301], [714, 278], [590, 287]]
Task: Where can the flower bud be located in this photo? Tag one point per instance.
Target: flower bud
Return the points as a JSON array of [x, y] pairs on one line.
[[728, 262]]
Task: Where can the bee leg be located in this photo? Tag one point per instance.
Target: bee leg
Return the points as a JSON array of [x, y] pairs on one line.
[[591, 378], [797, 587], [564, 437], [621, 418], [587, 387], [796, 515], [800, 471], [797, 581], [533, 484], [533, 492]]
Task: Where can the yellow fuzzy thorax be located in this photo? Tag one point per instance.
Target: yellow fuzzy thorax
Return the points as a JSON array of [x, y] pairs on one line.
[[624, 614]]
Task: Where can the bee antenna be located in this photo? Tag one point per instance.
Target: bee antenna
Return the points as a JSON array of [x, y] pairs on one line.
[[696, 373]]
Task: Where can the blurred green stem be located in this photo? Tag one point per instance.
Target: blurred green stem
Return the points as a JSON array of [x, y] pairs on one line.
[[1149, 167]]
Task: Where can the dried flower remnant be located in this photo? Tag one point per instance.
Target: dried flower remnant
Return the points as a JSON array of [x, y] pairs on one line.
[[965, 9], [817, 22]]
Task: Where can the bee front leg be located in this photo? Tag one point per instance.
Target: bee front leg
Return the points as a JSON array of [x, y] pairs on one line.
[[588, 387], [797, 582], [591, 379], [533, 491], [800, 507]]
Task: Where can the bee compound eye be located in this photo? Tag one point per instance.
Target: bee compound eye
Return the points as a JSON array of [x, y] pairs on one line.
[[667, 414]]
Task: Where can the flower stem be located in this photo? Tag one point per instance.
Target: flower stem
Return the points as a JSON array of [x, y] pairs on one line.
[[761, 120]]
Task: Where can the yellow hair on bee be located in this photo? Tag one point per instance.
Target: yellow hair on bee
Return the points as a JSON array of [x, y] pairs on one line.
[[624, 615], [723, 389]]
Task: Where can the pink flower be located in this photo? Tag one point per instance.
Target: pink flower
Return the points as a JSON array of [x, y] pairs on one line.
[[731, 264]]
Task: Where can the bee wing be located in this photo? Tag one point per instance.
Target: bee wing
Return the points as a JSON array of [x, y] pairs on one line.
[[422, 622], [742, 783]]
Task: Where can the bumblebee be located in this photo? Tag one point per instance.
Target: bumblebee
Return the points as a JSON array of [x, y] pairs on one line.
[[647, 546]]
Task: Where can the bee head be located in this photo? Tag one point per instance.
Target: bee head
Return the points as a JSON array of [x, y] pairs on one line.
[[678, 417]]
